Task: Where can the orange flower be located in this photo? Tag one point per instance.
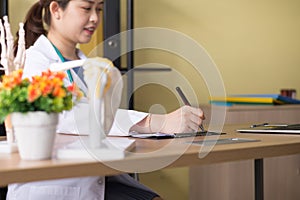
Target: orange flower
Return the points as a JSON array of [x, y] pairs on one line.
[[33, 93], [51, 75], [58, 92], [56, 81], [72, 87], [46, 92], [60, 75], [45, 88], [17, 76], [35, 79], [12, 80], [47, 73], [75, 90]]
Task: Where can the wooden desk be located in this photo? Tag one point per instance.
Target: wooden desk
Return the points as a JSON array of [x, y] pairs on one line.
[[240, 114], [148, 153], [281, 174]]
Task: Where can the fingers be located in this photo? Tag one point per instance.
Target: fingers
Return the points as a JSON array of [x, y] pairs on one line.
[[8, 61], [185, 119], [3, 48], [9, 42], [193, 117], [18, 61], [197, 112]]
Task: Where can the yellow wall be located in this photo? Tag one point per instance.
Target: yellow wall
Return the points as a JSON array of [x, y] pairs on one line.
[[255, 44], [17, 12]]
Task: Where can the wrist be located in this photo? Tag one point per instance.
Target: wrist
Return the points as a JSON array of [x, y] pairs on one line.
[[149, 122], [157, 123]]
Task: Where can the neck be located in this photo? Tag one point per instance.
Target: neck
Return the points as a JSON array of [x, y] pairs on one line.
[[67, 49]]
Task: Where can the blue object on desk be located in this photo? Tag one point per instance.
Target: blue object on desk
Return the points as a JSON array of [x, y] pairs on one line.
[[253, 99], [284, 99]]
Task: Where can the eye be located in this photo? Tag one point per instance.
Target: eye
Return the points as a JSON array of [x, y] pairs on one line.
[[87, 8], [99, 9]]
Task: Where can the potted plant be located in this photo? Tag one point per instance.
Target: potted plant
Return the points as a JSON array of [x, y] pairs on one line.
[[33, 105]]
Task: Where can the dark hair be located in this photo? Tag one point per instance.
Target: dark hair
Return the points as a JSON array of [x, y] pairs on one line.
[[38, 14]]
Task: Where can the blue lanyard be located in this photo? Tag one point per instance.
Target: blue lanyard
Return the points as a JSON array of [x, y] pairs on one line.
[[63, 60]]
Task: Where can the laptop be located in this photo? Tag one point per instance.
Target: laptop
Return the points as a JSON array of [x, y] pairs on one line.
[[272, 129]]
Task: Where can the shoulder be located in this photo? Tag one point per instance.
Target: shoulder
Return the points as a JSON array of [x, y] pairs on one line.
[[39, 57], [42, 47]]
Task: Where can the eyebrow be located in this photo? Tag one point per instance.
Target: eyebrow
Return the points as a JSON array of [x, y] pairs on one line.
[[93, 1]]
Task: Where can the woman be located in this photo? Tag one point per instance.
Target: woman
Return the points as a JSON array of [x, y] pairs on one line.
[[72, 22]]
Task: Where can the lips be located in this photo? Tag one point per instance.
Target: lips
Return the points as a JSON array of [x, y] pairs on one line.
[[90, 30]]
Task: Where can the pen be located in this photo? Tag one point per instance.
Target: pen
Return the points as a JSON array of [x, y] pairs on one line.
[[186, 102], [258, 125], [268, 125]]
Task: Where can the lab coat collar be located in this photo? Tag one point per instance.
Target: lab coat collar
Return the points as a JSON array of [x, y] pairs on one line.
[[50, 53], [44, 45]]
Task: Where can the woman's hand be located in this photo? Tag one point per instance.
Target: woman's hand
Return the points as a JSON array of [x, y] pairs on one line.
[[184, 119]]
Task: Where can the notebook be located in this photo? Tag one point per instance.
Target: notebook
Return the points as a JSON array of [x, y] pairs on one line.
[[272, 129]]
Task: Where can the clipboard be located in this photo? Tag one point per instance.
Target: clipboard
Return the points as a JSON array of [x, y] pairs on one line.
[[223, 141], [159, 135]]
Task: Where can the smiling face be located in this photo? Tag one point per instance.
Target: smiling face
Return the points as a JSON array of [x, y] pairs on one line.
[[77, 22]]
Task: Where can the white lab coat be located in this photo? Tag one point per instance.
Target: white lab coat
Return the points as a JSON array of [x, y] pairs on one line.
[[38, 59]]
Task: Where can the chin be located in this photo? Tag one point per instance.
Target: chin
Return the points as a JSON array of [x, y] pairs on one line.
[[85, 41]]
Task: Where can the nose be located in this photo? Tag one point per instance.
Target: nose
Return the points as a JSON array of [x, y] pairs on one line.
[[94, 17]]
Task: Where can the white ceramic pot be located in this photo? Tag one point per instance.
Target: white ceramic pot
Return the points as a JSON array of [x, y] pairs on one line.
[[35, 134]]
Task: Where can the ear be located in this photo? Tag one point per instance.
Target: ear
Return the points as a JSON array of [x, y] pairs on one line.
[[54, 10]]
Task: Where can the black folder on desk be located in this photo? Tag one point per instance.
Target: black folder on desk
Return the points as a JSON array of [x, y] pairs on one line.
[[272, 129]]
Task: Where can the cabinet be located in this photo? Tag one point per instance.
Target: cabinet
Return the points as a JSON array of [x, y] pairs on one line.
[[257, 114], [235, 180]]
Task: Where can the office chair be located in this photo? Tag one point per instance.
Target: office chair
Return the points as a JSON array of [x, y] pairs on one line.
[[3, 192]]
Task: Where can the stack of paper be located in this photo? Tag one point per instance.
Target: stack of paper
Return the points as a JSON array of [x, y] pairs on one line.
[[253, 99]]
